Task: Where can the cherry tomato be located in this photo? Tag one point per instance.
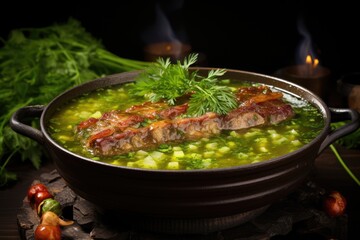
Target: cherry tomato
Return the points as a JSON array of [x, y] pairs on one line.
[[39, 187], [41, 196], [47, 232], [334, 204]]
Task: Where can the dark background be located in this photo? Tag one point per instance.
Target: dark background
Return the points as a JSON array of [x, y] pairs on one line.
[[252, 36]]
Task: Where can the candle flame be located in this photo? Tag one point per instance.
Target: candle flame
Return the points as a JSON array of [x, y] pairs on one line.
[[316, 62], [313, 63], [308, 60]]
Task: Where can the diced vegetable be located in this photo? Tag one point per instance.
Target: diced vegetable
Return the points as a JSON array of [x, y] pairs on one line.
[[296, 143], [157, 156], [96, 114], [211, 146], [141, 154], [148, 162], [176, 148], [173, 165], [209, 154], [231, 144], [179, 154], [263, 149], [192, 147], [280, 141], [224, 149]]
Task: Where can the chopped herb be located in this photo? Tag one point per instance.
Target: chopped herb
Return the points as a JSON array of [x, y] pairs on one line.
[[165, 148], [166, 81]]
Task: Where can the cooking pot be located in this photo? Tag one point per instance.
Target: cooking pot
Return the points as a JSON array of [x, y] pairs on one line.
[[240, 193]]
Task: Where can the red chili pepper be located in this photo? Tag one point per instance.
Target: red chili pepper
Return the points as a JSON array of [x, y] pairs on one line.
[[39, 187]]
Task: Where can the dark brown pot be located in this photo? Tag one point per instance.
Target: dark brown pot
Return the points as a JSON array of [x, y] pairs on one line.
[[196, 194]]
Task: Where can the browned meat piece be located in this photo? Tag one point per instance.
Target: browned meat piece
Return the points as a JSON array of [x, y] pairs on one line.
[[263, 113], [147, 109], [249, 95], [163, 131], [87, 123], [158, 110], [136, 114], [150, 124], [198, 127]]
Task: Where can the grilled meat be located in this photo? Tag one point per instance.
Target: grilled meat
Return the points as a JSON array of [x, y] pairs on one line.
[[151, 124]]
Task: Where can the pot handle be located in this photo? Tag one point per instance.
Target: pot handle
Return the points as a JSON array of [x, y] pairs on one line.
[[350, 127], [17, 122]]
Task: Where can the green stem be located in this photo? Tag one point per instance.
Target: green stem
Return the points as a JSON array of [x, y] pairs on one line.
[[73, 61], [344, 165], [8, 159], [6, 117], [113, 65], [5, 176], [127, 62]]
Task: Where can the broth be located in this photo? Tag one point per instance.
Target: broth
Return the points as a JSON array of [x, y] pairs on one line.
[[230, 148]]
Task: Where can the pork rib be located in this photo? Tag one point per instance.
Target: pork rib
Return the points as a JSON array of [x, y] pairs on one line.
[[151, 124]]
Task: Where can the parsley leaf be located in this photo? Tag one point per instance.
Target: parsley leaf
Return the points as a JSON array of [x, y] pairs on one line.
[[166, 81]]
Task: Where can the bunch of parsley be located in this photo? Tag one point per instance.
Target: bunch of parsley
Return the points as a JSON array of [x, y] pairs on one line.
[[36, 65]]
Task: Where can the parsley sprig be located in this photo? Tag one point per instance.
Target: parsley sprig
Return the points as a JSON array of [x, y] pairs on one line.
[[166, 81]]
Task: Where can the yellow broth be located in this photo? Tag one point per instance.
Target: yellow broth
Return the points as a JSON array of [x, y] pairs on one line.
[[230, 148]]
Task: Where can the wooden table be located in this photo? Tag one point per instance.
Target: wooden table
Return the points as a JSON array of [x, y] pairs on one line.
[[328, 173]]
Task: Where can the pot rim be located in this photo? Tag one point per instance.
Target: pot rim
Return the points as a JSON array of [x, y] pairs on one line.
[[315, 101]]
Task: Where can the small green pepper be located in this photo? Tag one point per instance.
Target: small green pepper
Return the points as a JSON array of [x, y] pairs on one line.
[[49, 204]]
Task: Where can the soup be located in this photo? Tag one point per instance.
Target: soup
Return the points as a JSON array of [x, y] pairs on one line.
[[228, 148]]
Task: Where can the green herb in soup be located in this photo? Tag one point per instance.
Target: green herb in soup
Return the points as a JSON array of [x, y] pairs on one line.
[[168, 82], [113, 126]]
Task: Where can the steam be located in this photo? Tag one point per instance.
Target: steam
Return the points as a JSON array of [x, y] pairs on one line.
[[161, 30], [306, 46]]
